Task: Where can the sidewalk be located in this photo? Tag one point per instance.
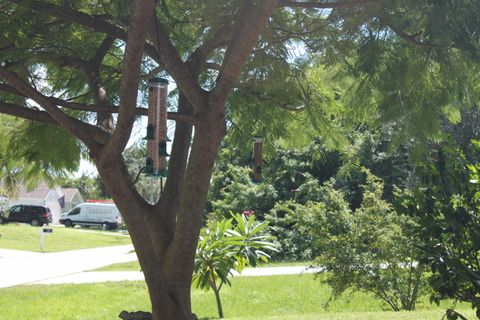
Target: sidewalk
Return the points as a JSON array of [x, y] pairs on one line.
[[19, 267], [106, 276], [26, 268]]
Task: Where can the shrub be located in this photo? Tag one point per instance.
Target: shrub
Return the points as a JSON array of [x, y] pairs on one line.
[[292, 243], [234, 191], [227, 246], [372, 249]]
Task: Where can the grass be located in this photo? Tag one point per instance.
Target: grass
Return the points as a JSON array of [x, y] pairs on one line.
[[135, 266], [269, 298], [124, 266], [286, 264], [26, 237]]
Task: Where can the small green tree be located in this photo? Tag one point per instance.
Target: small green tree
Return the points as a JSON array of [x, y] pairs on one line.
[[445, 200], [228, 246], [372, 249]]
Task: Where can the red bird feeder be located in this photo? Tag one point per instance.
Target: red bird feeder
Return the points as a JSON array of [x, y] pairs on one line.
[[257, 158]]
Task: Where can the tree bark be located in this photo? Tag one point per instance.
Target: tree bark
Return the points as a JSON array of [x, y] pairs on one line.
[[134, 209], [167, 257]]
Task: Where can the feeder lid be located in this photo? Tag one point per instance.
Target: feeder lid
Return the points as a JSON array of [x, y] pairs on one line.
[[158, 80]]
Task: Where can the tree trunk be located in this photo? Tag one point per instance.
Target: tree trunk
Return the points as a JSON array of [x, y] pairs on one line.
[[133, 208], [216, 290], [166, 246]]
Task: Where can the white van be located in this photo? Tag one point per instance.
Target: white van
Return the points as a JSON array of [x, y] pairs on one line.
[[93, 214]]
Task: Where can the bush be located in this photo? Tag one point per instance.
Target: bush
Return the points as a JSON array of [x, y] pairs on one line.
[[234, 191], [293, 245], [372, 249], [446, 200]]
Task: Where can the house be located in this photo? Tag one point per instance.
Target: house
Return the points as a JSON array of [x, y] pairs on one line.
[[58, 200], [72, 198]]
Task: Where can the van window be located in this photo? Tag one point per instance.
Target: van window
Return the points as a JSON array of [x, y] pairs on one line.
[[74, 212]]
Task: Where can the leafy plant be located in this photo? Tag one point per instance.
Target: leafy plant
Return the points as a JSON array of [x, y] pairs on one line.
[[228, 246], [233, 191], [293, 244], [446, 201], [371, 249]]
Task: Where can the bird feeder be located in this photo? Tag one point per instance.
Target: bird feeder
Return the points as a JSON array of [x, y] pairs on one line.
[[156, 137], [257, 158]]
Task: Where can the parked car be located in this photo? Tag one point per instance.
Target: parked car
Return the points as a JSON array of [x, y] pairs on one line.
[[93, 214], [35, 215], [4, 206]]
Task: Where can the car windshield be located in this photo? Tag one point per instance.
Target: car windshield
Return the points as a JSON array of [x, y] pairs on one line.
[[74, 212]]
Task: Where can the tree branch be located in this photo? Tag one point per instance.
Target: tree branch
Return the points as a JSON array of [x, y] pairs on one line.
[[219, 39], [88, 134], [177, 69], [405, 36], [26, 113], [166, 210], [142, 14], [328, 5], [95, 108], [249, 24], [72, 105], [102, 51], [96, 23]]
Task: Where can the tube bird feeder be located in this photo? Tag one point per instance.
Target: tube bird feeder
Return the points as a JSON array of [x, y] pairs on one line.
[[156, 137], [257, 158]]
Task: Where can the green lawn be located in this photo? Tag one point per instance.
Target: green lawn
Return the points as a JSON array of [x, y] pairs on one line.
[[275, 297], [124, 266], [26, 237]]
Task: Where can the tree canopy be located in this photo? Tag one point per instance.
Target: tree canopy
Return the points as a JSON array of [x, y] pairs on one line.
[[79, 65]]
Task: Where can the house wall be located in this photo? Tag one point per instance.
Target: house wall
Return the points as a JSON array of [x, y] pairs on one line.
[[51, 201], [69, 205]]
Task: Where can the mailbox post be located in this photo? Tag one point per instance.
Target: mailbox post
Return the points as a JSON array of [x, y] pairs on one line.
[[43, 232]]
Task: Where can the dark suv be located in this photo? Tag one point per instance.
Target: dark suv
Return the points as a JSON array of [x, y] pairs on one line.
[[35, 215]]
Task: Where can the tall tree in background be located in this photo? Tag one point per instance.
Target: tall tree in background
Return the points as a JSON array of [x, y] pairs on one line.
[[79, 65]]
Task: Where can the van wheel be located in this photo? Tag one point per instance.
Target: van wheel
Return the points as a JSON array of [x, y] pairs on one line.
[[35, 222], [68, 223]]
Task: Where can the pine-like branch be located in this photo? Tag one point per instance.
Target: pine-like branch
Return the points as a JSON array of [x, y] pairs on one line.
[[93, 22], [89, 134], [405, 36]]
